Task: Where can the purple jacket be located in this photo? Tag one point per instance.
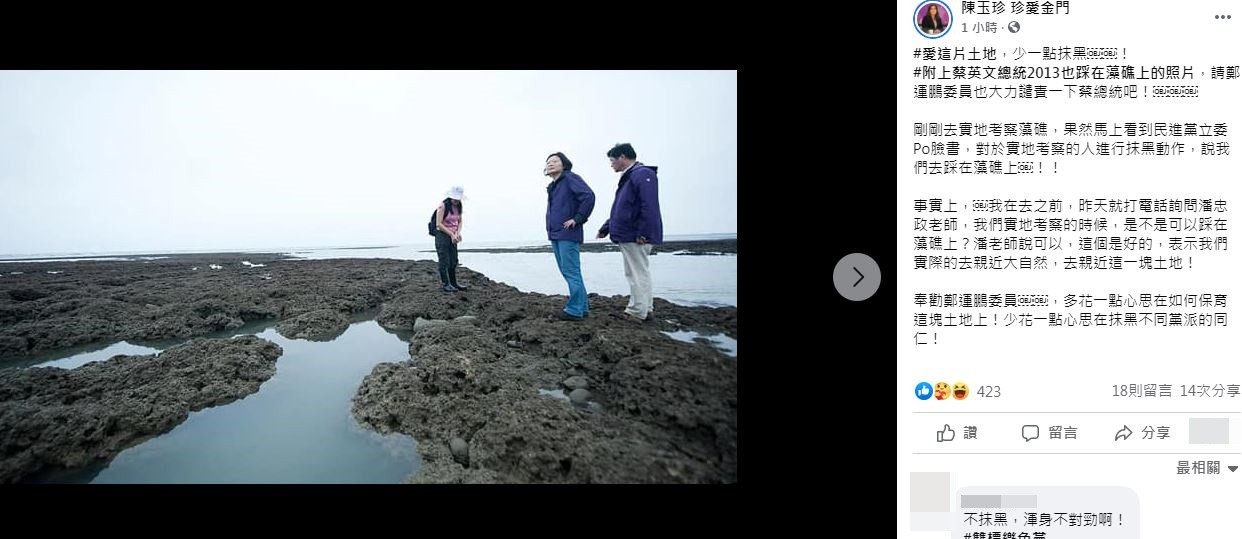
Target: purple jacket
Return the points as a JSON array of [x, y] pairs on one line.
[[569, 197], [636, 209]]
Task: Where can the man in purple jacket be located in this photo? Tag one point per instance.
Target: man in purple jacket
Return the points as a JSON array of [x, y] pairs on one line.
[[635, 224], [570, 202]]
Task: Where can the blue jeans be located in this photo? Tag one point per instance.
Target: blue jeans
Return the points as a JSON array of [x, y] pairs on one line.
[[567, 260]]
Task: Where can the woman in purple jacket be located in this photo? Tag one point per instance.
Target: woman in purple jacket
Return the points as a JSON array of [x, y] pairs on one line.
[[570, 201]]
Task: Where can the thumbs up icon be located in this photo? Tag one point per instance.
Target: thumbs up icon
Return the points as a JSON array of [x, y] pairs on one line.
[[923, 391], [945, 435]]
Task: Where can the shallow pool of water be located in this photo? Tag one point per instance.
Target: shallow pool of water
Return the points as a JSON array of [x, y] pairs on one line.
[[296, 429], [720, 341]]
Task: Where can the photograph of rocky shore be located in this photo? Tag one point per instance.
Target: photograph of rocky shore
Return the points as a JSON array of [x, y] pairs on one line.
[[495, 388], [368, 277]]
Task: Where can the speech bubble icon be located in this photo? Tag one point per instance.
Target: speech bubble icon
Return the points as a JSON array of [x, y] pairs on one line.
[[1030, 432]]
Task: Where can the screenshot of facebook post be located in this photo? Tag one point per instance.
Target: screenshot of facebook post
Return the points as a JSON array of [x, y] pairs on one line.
[[1068, 356]]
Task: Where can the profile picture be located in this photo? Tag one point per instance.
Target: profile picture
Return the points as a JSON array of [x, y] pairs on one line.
[[933, 19]]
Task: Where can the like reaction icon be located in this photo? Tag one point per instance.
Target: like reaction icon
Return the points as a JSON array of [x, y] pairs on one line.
[[923, 391], [945, 435]]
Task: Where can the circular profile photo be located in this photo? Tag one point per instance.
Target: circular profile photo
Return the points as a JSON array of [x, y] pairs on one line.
[[933, 19]]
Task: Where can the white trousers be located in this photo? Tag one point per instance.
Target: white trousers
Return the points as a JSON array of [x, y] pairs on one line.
[[638, 273]]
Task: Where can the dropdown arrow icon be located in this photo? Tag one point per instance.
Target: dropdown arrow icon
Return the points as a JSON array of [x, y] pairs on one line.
[[1233, 468]]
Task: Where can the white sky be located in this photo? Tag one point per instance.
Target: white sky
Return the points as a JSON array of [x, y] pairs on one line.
[[119, 161]]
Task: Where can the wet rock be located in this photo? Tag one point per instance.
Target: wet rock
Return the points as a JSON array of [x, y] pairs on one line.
[[576, 382], [27, 294], [52, 417], [422, 323], [461, 451], [669, 411], [320, 325], [12, 346]]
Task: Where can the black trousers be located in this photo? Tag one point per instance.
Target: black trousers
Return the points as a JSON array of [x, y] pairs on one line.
[[446, 250]]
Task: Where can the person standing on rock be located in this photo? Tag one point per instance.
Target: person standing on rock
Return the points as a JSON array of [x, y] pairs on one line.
[[570, 201], [448, 235], [635, 225]]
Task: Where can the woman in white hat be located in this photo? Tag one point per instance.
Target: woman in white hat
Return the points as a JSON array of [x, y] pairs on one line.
[[448, 235]]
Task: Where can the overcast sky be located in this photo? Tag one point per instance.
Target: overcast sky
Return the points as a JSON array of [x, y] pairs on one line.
[[122, 161]]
